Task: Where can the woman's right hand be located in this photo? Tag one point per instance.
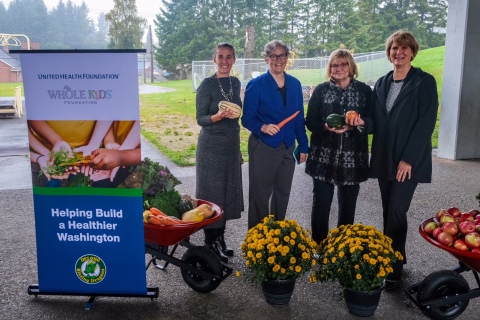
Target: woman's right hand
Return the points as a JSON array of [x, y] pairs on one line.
[[357, 121], [222, 114], [270, 129]]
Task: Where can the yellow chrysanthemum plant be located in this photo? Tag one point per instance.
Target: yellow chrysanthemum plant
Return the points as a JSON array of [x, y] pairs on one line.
[[278, 250], [359, 257]]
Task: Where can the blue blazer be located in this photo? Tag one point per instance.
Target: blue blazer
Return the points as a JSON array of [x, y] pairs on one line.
[[263, 104]]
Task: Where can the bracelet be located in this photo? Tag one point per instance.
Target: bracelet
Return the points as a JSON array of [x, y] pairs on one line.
[[36, 161]]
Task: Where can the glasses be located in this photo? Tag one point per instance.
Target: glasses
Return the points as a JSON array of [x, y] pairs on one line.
[[274, 57], [342, 65]]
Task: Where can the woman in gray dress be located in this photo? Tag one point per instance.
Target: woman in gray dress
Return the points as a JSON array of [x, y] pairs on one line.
[[219, 173]]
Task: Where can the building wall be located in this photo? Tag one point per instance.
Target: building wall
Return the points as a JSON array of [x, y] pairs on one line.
[[459, 132], [4, 72]]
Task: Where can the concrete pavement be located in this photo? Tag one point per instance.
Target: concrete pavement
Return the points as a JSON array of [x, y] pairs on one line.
[[455, 183]]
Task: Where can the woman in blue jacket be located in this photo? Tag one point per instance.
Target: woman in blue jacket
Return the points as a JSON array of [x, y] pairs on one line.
[[269, 99]]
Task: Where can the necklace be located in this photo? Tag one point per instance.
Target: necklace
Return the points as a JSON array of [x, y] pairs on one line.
[[228, 96], [397, 86]]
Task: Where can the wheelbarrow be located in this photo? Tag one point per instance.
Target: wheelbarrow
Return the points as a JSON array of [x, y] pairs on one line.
[[201, 269], [445, 294]]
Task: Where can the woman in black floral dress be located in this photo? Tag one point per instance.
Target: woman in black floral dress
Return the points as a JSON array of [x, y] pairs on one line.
[[337, 157]]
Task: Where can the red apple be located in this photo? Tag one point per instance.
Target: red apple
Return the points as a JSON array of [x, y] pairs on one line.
[[436, 232], [474, 212], [472, 240], [450, 227], [466, 227], [475, 250], [459, 244], [466, 216], [454, 211], [446, 218], [440, 213], [445, 238], [429, 227], [477, 227]]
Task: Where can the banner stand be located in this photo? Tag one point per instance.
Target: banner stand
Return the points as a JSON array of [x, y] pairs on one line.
[[152, 292], [84, 104]]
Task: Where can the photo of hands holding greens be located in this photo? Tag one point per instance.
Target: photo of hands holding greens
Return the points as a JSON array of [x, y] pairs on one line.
[[83, 153]]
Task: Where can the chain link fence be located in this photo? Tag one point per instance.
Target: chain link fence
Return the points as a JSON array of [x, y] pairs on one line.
[[310, 71]]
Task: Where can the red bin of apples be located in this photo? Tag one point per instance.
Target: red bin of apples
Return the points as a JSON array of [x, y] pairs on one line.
[[456, 232]]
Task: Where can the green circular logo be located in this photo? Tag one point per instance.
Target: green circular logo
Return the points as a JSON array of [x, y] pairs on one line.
[[90, 269]]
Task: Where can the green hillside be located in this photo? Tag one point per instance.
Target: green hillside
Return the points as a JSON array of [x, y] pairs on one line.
[[431, 61]]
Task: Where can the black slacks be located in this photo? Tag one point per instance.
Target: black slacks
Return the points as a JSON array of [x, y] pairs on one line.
[[322, 202], [270, 180], [396, 199]]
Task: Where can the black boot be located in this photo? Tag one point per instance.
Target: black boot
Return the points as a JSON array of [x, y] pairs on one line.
[[223, 246], [215, 249]]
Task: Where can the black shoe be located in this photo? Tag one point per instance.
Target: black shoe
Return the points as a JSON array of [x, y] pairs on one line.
[[223, 246], [214, 248]]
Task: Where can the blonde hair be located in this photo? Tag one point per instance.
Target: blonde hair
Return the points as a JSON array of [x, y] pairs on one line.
[[342, 54]]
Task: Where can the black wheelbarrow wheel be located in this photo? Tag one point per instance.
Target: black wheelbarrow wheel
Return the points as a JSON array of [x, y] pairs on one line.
[[441, 284], [203, 259]]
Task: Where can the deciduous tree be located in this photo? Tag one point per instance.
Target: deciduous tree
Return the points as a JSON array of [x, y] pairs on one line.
[[126, 27]]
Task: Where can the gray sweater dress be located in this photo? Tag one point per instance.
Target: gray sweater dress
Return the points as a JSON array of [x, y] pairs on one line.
[[218, 167]]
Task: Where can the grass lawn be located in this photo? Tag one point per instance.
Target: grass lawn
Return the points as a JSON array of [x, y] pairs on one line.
[[168, 119], [7, 89]]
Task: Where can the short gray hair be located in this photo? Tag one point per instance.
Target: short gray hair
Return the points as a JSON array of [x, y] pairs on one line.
[[269, 47]]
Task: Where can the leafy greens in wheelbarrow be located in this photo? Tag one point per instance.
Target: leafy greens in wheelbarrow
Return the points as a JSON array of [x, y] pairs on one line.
[[159, 188]]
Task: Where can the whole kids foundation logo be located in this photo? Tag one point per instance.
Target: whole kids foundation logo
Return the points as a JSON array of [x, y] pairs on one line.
[[73, 96], [90, 269]]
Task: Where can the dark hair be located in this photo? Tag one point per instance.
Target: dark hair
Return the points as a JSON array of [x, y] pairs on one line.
[[403, 38], [224, 45], [269, 47], [342, 54]]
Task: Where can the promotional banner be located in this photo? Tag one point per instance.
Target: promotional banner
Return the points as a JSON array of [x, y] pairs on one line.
[[84, 136]]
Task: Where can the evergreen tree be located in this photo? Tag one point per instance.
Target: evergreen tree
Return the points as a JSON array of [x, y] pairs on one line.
[[28, 17], [3, 18], [57, 28], [101, 36]]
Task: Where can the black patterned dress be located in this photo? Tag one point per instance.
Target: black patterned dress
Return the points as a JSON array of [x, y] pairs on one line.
[[218, 157], [338, 159]]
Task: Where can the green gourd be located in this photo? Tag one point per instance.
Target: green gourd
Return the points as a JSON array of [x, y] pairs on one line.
[[183, 206], [335, 121]]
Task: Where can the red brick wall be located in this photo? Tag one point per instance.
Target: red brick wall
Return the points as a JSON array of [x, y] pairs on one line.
[[4, 72], [7, 75]]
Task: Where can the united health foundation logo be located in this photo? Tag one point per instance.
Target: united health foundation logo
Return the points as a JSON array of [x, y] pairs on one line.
[[90, 269]]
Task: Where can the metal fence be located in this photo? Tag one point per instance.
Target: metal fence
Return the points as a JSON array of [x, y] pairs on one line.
[[310, 71]]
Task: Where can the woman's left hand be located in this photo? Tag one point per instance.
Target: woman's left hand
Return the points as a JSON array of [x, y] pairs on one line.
[[403, 170], [344, 129], [303, 157]]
